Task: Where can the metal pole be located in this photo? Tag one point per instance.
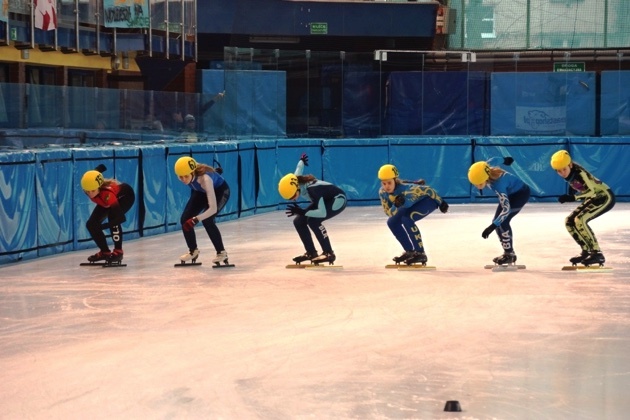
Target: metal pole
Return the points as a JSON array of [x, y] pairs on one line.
[[166, 30]]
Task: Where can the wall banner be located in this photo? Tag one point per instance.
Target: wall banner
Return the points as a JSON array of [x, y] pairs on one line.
[[126, 13]]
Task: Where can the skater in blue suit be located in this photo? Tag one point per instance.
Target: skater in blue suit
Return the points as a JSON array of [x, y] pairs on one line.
[[327, 201], [405, 203], [513, 194]]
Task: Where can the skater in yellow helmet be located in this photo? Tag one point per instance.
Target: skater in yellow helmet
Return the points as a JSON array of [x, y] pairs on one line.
[[406, 202], [113, 199], [327, 201], [209, 192], [597, 198], [513, 194]]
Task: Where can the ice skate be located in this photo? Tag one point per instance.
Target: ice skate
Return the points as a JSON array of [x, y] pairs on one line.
[[191, 256], [579, 258], [417, 257], [328, 257], [595, 257], [505, 262], [403, 257], [221, 257], [99, 256], [98, 259], [506, 258], [221, 260], [307, 256], [115, 258]]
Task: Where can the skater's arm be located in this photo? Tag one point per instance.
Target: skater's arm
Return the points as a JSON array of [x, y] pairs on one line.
[[590, 185], [388, 206], [206, 183]]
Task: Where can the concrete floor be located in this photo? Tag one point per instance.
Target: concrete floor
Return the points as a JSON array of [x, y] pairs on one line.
[[259, 341]]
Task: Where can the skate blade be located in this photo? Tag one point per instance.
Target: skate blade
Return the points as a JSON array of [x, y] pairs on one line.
[[505, 266], [410, 267], [114, 265], [93, 264], [584, 269], [185, 264], [224, 265], [322, 266]]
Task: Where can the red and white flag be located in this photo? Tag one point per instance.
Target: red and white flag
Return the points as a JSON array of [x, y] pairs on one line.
[[45, 14]]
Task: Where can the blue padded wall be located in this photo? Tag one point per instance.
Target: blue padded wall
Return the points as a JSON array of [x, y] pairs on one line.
[[44, 210]]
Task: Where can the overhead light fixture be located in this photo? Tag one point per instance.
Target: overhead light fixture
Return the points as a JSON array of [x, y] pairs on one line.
[[274, 39]]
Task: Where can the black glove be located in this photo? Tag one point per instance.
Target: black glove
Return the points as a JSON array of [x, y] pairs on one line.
[[101, 168], [295, 210], [487, 231], [566, 198], [190, 224], [304, 158], [443, 206], [508, 160], [399, 201]]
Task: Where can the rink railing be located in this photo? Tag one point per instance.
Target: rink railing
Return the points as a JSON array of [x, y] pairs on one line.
[[44, 210]]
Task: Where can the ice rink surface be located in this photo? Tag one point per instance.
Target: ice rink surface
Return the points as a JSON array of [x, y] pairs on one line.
[[259, 341]]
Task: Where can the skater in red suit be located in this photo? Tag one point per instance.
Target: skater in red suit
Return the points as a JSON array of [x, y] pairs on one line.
[[113, 199]]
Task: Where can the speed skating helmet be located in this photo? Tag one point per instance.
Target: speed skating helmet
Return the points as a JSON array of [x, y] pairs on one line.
[[185, 166], [92, 180], [387, 172], [479, 172], [288, 186], [561, 159]]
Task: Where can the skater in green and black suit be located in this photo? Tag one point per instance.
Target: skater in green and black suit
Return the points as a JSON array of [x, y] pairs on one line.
[[597, 198]]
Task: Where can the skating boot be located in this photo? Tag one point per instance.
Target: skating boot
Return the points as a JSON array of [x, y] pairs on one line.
[[417, 257], [328, 257], [507, 258], [307, 256], [579, 258], [99, 256], [115, 258], [190, 256], [595, 257], [222, 257], [403, 257]]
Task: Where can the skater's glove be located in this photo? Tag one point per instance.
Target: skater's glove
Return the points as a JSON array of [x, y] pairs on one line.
[[566, 198], [294, 209], [304, 158], [508, 160], [443, 206], [190, 224], [399, 201], [487, 231]]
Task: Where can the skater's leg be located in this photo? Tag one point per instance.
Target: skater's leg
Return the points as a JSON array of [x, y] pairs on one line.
[[333, 208], [117, 236], [417, 212], [590, 209], [93, 226], [214, 233], [196, 204], [301, 226], [395, 224], [504, 231]]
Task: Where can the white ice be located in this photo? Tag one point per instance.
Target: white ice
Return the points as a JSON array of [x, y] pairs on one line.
[[259, 341]]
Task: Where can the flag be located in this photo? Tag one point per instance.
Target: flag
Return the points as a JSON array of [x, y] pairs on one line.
[[46, 14]]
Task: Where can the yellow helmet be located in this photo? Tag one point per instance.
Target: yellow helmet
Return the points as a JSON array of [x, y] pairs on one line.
[[560, 160], [387, 172], [288, 186], [479, 172], [185, 166], [92, 180]]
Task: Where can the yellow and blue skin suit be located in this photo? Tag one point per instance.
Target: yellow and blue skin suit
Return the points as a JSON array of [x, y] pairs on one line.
[[419, 202]]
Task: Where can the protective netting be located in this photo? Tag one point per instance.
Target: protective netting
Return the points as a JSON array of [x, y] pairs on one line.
[[541, 24]]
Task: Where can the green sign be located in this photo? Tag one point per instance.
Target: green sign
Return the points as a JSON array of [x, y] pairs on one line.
[[319, 28], [577, 66], [13, 34]]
